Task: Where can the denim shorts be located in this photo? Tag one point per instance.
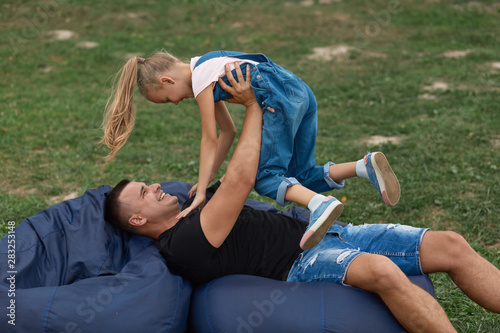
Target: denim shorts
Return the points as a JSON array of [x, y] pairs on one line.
[[330, 259]]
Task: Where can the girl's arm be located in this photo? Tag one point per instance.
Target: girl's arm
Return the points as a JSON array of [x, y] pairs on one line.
[[226, 135], [208, 146], [225, 141]]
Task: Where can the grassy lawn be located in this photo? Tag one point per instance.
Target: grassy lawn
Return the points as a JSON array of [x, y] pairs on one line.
[[424, 74]]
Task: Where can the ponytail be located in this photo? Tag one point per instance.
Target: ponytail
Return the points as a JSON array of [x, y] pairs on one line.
[[119, 116]]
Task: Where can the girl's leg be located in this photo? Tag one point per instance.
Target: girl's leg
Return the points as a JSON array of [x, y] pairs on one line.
[[324, 212], [299, 194], [376, 169], [343, 171]]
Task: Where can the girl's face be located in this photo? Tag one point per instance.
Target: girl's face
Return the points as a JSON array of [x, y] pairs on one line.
[[170, 91]]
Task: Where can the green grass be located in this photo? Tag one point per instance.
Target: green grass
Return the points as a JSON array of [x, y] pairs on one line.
[[52, 97]]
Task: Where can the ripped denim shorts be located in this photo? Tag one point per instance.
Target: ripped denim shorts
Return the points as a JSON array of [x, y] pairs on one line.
[[330, 259]]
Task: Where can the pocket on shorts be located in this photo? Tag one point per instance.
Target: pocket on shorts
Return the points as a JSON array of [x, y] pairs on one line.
[[294, 90]]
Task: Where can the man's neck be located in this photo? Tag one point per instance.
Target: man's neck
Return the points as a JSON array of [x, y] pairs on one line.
[[162, 227]]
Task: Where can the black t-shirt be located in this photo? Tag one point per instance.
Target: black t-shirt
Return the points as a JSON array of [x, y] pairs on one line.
[[261, 243]]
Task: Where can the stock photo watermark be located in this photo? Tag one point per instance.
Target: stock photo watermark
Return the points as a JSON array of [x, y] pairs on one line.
[[380, 19], [87, 310], [263, 309], [11, 272], [33, 24]]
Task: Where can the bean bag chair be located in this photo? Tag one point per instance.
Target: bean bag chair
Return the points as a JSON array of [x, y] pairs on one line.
[[73, 272], [245, 304]]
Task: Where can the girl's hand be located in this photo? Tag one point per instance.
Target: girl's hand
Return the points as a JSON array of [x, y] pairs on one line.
[[198, 202], [192, 191]]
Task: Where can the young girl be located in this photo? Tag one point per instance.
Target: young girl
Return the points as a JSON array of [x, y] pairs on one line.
[[287, 169]]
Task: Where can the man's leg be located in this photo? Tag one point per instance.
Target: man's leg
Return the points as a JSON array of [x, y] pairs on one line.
[[446, 251], [414, 308]]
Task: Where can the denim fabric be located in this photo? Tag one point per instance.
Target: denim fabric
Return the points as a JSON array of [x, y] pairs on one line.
[[331, 258], [288, 134]]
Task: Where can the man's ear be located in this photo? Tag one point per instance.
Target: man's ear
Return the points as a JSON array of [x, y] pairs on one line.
[[167, 79], [137, 221]]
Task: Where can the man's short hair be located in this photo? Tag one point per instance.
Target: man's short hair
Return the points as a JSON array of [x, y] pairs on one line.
[[113, 207]]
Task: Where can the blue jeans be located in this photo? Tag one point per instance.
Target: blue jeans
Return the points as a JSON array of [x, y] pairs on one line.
[[331, 258], [288, 134]]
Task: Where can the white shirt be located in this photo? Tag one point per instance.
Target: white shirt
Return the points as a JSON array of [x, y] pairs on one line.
[[210, 71]]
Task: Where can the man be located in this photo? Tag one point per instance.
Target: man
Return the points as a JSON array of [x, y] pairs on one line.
[[226, 237]]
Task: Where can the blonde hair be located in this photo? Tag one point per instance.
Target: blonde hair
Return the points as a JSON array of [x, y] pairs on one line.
[[119, 115]]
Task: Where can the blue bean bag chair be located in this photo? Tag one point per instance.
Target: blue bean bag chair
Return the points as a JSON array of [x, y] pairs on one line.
[[73, 272], [244, 304]]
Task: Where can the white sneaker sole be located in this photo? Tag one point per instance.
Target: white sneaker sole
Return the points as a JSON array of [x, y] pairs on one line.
[[387, 180]]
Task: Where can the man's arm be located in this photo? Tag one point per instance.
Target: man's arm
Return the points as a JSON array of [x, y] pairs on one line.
[[219, 215]]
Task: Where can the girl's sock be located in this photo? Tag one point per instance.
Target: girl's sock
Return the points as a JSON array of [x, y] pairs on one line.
[[361, 168], [315, 202]]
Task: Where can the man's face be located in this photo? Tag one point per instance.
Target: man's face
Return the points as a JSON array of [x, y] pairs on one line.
[[149, 202]]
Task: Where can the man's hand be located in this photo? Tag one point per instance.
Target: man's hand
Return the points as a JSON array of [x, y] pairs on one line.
[[242, 89]]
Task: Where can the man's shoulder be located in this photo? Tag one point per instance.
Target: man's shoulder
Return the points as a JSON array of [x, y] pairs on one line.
[[183, 225], [185, 235]]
